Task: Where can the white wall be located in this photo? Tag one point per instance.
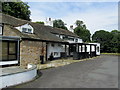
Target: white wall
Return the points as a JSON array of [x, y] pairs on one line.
[[97, 45], [17, 78], [70, 41], [80, 40], [57, 48]]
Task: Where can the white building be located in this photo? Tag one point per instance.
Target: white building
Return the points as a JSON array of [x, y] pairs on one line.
[[49, 22]]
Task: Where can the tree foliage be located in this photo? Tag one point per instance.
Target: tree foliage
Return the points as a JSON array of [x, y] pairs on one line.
[[82, 31], [17, 9], [59, 24], [79, 23], [110, 41], [115, 42], [40, 22]]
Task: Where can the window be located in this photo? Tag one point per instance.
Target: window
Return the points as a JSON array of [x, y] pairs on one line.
[[24, 30], [57, 35], [76, 40], [97, 49], [55, 53], [71, 39], [9, 50], [52, 45], [29, 30], [59, 44], [63, 37]]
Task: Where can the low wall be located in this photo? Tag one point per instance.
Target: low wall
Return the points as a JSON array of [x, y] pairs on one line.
[[19, 77]]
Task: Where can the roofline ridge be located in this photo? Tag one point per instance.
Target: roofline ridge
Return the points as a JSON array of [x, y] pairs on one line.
[[15, 17]]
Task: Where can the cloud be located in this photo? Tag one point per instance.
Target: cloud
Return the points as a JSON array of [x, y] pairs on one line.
[[96, 15], [95, 19], [71, 0]]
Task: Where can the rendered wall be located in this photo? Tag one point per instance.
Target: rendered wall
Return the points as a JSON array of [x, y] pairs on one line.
[[56, 48], [19, 77]]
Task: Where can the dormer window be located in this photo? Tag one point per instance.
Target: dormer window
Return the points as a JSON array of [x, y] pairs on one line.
[[24, 30], [27, 28]]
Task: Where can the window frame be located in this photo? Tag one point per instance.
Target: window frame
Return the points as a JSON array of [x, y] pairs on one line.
[[98, 48], [28, 30], [8, 53], [1, 25], [76, 40], [23, 30]]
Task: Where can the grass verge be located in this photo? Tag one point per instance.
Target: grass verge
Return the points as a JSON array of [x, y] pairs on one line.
[[111, 54]]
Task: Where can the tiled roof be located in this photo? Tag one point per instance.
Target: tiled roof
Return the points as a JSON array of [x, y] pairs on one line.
[[41, 32]]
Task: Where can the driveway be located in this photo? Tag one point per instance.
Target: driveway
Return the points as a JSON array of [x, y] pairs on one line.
[[101, 72]]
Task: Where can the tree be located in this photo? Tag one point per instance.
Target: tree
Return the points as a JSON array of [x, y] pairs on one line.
[[59, 24], [40, 22], [115, 42], [82, 31], [17, 9], [79, 23], [104, 38]]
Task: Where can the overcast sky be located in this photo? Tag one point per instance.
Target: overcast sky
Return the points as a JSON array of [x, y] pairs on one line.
[[96, 15]]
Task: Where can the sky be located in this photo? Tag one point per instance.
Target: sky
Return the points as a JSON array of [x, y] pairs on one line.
[[95, 15]]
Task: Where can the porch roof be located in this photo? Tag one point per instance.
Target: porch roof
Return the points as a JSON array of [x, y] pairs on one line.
[[82, 44], [9, 38]]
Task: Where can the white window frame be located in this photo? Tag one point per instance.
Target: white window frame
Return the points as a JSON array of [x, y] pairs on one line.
[[1, 29]]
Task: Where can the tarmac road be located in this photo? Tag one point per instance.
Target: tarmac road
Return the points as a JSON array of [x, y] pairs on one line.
[[101, 72]]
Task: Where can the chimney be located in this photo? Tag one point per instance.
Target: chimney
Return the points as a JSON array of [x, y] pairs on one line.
[[49, 22], [71, 28]]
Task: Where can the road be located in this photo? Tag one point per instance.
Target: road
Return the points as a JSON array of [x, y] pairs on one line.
[[101, 72]]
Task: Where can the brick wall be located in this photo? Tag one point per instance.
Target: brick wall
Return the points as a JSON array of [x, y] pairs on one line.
[[30, 51]]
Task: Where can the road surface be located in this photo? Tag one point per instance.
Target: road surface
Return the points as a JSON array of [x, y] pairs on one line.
[[101, 72]]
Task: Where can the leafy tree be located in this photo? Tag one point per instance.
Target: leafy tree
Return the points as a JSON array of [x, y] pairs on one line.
[[104, 38], [79, 23], [17, 9], [40, 22], [115, 42], [110, 41], [59, 24], [82, 31]]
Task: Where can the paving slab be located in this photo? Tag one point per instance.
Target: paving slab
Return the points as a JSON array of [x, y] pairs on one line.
[[11, 70]]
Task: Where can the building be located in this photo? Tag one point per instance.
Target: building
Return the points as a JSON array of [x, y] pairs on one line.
[[25, 42]]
